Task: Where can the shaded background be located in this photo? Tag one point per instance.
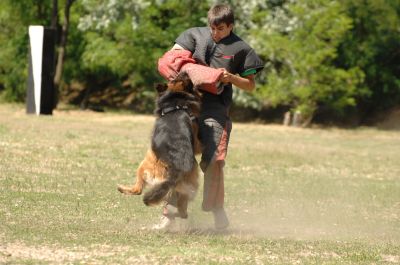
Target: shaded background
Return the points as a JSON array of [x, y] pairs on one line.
[[336, 62]]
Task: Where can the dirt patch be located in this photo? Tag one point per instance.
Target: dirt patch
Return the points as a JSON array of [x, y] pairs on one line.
[[391, 259], [16, 252], [57, 255]]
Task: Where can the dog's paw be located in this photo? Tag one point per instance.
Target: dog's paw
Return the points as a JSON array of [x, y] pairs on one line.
[[183, 215], [136, 191], [122, 189]]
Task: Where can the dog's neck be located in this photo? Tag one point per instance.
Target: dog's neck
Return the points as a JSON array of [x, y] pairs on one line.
[[175, 101], [167, 110]]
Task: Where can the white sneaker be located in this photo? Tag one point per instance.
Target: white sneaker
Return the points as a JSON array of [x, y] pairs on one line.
[[166, 223], [220, 219]]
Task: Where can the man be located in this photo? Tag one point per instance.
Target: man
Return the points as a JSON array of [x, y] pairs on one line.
[[218, 47]]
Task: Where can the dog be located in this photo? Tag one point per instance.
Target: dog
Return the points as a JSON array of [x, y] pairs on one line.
[[170, 163]]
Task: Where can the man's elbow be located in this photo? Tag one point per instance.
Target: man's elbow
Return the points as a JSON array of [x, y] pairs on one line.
[[251, 86], [251, 83]]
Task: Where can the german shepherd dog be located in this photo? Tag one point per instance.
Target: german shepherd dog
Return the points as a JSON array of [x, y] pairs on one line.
[[170, 164]]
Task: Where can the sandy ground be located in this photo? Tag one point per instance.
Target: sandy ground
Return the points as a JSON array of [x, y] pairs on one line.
[[94, 255]]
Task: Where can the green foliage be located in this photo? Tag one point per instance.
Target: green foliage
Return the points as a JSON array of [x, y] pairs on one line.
[[13, 67], [15, 18], [319, 53], [13, 40], [128, 44], [373, 46], [246, 100], [299, 40]]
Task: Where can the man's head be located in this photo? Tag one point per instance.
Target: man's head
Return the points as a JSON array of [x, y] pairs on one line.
[[220, 19]]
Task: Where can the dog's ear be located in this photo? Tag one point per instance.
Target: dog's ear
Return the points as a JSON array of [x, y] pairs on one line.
[[189, 86], [197, 91], [186, 82], [161, 88]]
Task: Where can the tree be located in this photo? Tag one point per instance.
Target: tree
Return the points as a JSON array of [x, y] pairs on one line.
[[299, 41], [15, 18], [331, 54], [373, 45], [63, 42], [125, 39]]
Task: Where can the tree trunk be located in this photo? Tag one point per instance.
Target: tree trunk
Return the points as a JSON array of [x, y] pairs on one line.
[[63, 44], [54, 15], [287, 118], [307, 121]]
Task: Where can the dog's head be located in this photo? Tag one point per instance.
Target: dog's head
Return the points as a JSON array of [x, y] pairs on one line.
[[181, 83], [178, 92]]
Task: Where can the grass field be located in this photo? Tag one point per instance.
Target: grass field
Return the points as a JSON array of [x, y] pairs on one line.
[[294, 196]]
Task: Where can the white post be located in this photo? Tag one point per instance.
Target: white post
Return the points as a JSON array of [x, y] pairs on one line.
[[36, 34], [40, 96]]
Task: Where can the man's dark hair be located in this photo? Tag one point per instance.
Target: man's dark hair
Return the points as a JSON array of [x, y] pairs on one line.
[[220, 13]]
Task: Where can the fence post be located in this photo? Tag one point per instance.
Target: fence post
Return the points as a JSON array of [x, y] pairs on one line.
[[40, 95]]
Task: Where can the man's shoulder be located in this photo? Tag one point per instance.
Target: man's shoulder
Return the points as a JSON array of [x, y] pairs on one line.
[[198, 30], [238, 41], [236, 44]]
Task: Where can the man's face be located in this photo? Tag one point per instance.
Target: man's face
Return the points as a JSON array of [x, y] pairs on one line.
[[220, 31]]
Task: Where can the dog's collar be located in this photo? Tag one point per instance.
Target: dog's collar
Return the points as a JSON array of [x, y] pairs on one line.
[[165, 111]]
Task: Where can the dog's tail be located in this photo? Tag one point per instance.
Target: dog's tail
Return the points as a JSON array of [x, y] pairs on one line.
[[158, 192]]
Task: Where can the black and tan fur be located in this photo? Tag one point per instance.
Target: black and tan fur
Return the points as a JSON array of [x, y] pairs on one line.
[[170, 163]]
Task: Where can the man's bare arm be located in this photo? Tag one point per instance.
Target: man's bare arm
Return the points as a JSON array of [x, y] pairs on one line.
[[246, 83]]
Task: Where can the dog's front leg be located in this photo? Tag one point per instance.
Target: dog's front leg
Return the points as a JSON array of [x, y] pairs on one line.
[[182, 204]]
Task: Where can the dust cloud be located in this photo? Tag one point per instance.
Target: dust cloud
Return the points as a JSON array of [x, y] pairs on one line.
[[312, 224]]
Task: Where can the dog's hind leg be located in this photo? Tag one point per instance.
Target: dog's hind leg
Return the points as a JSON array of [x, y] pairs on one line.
[[189, 185], [140, 182], [158, 192]]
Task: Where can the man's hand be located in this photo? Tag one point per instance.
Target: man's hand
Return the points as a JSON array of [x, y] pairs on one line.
[[246, 83], [226, 77]]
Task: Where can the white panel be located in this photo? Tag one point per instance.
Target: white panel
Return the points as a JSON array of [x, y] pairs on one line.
[[36, 41]]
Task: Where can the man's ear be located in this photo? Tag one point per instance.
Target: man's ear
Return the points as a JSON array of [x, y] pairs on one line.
[[161, 88]]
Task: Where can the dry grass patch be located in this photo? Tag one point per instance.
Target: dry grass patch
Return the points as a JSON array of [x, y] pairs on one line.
[[293, 195]]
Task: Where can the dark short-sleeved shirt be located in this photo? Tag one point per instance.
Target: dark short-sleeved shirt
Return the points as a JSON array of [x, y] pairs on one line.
[[231, 53]]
